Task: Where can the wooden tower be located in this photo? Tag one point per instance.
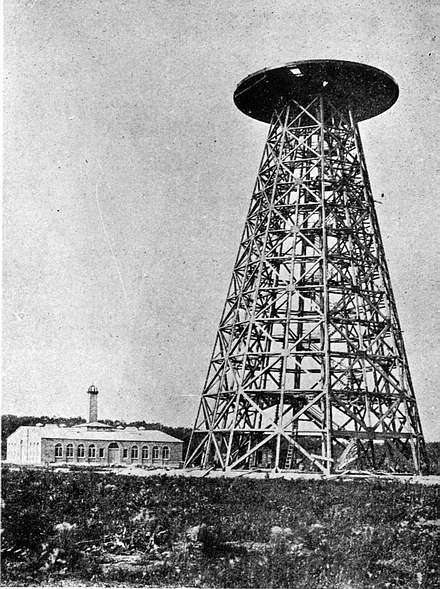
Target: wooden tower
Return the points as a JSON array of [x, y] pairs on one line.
[[309, 370]]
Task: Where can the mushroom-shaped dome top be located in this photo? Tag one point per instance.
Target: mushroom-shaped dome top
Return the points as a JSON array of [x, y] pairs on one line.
[[92, 389], [367, 90]]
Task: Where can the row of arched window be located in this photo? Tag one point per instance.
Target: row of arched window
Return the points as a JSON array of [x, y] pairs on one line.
[[91, 452]]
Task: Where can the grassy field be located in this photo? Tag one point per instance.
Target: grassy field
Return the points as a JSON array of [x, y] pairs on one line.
[[103, 529]]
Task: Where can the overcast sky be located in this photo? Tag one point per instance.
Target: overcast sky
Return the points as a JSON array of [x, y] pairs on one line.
[[129, 172]]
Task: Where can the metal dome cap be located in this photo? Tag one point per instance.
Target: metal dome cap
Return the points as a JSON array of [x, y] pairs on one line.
[[368, 91]]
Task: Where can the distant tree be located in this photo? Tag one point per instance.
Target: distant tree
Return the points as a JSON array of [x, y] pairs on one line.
[[433, 450]]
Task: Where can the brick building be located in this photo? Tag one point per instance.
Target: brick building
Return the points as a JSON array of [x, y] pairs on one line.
[[93, 442]]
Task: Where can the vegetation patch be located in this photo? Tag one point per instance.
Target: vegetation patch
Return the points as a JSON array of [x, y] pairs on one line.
[[99, 528]]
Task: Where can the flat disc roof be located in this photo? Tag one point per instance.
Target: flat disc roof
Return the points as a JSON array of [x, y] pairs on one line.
[[368, 90]]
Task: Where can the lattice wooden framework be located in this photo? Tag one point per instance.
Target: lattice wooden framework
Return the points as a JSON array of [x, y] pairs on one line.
[[309, 369]]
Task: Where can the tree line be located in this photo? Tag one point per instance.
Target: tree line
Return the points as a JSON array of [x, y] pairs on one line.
[[11, 422]]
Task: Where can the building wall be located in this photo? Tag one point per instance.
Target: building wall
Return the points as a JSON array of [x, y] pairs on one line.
[[102, 452], [24, 446]]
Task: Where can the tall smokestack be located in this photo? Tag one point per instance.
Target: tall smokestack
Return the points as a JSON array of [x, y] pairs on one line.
[[93, 403]]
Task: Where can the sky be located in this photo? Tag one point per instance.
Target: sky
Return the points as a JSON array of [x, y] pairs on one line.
[[128, 173]]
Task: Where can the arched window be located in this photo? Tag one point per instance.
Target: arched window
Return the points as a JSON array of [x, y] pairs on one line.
[[81, 451], [155, 452], [165, 453], [69, 451], [92, 451], [134, 452], [58, 451], [144, 452]]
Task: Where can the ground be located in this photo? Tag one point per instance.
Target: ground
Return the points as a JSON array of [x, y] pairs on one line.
[[100, 528]]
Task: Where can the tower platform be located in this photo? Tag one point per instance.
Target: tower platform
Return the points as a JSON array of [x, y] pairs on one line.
[[366, 90]]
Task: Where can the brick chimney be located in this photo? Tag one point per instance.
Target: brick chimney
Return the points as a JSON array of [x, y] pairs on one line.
[[93, 403]]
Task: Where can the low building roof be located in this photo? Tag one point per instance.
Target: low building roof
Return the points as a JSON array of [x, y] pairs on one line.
[[129, 434], [95, 425]]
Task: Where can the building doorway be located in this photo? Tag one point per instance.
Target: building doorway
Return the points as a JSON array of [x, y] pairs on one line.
[[113, 453]]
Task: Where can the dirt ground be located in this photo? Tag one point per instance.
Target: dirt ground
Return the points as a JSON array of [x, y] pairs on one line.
[[259, 474]]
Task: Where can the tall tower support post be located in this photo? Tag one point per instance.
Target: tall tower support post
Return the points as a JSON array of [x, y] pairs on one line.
[[309, 370]]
